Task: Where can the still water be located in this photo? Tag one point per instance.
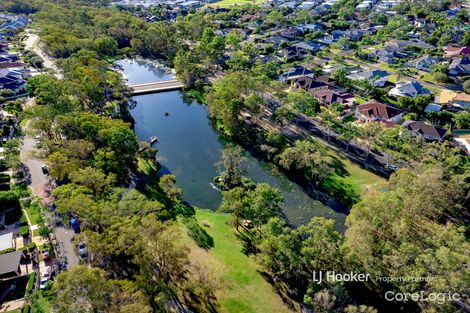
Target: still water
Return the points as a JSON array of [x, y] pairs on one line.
[[189, 148]]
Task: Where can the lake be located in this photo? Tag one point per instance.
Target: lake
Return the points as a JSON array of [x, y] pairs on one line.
[[189, 148]]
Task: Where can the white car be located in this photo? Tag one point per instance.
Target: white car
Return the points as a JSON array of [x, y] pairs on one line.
[[43, 283]]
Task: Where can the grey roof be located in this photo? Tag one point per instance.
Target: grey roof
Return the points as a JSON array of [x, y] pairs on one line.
[[6, 241], [9, 261]]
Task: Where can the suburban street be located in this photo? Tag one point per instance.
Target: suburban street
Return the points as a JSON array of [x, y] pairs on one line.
[[39, 182]]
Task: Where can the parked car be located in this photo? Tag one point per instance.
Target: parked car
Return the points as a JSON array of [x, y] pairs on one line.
[[45, 254], [74, 224], [82, 250], [43, 283], [44, 169]]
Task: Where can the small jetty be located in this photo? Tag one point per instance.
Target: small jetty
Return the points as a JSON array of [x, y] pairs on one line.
[[153, 140]]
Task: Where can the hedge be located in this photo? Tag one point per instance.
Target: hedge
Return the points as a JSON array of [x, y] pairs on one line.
[[7, 250], [31, 281], [24, 230]]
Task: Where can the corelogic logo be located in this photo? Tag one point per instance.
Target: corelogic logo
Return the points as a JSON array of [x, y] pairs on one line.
[[421, 296]]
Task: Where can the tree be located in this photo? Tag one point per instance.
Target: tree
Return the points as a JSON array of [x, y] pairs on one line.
[[93, 179], [168, 184], [186, 67], [233, 201], [12, 154], [225, 100], [303, 102], [85, 289], [398, 232], [105, 46], [466, 86], [306, 160], [231, 173], [264, 202], [233, 39], [440, 77], [462, 119]]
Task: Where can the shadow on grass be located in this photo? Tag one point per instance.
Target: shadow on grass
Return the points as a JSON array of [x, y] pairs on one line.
[[198, 234]]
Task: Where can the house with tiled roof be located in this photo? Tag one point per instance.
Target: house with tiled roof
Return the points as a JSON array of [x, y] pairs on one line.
[[451, 51], [375, 111], [428, 131], [330, 96]]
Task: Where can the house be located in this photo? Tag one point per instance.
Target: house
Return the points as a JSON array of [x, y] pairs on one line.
[[408, 89], [378, 78], [329, 96], [423, 63], [295, 72], [374, 111], [310, 27], [453, 100], [459, 66], [463, 140], [6, 241], [433, 107], [294, 52], [290, 34], [10, 264], [451, 51], [428, 131]]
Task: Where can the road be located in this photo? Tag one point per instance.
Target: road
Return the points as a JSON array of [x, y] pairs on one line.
[[39, 183], [32, 43]]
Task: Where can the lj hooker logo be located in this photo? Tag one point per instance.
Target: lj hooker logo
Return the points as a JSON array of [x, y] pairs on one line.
[[332, 276]]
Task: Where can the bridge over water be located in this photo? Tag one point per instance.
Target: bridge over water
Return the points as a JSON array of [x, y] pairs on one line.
[[154, 87]]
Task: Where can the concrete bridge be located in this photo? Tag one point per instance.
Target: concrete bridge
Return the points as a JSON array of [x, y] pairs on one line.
[[154, 87]]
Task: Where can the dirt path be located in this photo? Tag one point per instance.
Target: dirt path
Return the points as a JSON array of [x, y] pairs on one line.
[[32, 43]]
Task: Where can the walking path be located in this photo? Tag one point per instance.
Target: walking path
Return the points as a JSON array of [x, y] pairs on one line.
[[32, 43]]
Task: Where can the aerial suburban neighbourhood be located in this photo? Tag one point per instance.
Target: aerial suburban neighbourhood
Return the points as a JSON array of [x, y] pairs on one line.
[[234, 156]]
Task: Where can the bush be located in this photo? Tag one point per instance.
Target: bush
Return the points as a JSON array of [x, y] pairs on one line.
[[31, 281], [9, 199], [26, 308], [30, 247], [24, 230], [7, 250]]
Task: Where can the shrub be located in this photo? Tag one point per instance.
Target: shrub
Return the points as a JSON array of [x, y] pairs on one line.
[[30, 247], [24, 231], [26, 308], [30, 286], [7, 250], [9, 199]]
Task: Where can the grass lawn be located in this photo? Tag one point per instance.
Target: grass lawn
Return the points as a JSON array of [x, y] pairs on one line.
[[241, 287], [33, 213], [359, 178], [229, 3]]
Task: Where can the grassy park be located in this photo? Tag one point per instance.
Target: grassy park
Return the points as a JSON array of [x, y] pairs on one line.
[[241, 286]]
